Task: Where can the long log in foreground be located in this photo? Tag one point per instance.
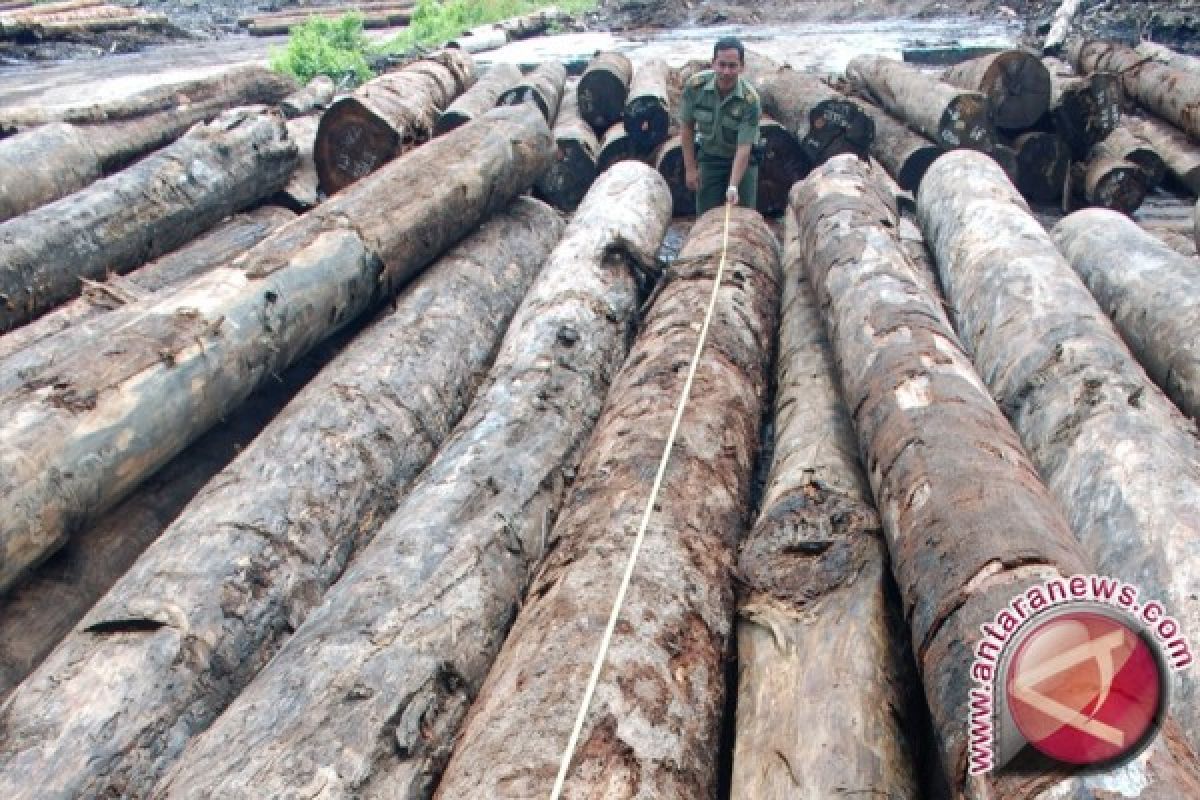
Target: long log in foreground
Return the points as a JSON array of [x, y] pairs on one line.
[[1180, 153], [208, 604], [822, 663], [950, 116], [1151, 292], [76, 442], [479, 99], [654, 723], [570, 176], [387, 116], [544, 87], [154, 206], [603, 88], [416, 621], [825, 122], [1122, 461], [1016, 84], [904, 154], [647, 113]]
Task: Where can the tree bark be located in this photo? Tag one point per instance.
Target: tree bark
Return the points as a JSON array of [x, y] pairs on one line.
[[654, 722], [1085, 110], [603, 89], [1168, 57], [206, 607], [668, 160], [825, 122], [948, 115], [1107, 180], [533, 23], [1170, 93], [82, 436], [1124, 144], [316, 96], [69, 24], [1016, 84], [481, 39], [1122, 461], [269, 25], [574, 169], [314, 11], [1151, 292], [544, 88], [386, 117], [1180, 153], [783, 164], [156, 205], [422, 662], [479, 99], [647, 114], [1042, 163], [616, 146], [822, 663], [904, 154], [303, 189]]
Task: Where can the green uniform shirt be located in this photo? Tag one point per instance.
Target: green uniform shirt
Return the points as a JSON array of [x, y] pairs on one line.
[[723, 123]]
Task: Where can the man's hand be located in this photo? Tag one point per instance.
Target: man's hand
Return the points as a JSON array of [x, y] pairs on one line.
[[691, 178], [731, 195]]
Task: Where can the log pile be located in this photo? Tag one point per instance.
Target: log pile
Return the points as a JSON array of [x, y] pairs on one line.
[[373, 15], [825, 121], [544, 88], [647, 113], [72, 19], [570, 176], [481, 97], [1015, 83]]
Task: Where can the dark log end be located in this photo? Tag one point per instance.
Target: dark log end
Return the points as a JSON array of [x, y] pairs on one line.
[[569, 178], [965, 124], [448, 120], [525, 94], [914, 167], [1042, 163], [601, 95], [1121, 187], [352, 142], [646, 122], [838, 126], [669, 164], [784, 163], [616, 147], [1151, 164], [1018, 88]]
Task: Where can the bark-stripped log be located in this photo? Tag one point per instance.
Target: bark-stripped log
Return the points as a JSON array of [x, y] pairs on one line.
[[481, 39], [27, 350], [1167, 56], [208, 604], [386, 117], [317, 95], [479, 99], [783, 163], [533, 23], [81, 436], [1015, 83], [1123, 462], [614, 147], [544, 87], [1109, 181], [74, 24], [122, 221], [603, 89], [668, 160], [1170, 93], [950, 116], [647, 113], [904, 154], [822, 663], [654, 723], [1042, 163], [1151, 292], [303, 189], [825, 121], [1180, 153], [282, 25], [1124, 144], [1084, 110], [410, 659], [317, 11], [570, 176]]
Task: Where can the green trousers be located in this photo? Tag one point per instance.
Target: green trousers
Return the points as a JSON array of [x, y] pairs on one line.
[[714, 180]]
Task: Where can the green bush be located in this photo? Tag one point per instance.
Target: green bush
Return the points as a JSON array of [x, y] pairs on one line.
[[333, 47], [435, 22]]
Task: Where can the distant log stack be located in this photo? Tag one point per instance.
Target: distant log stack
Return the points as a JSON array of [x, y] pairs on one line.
[[156, 205], [1170, 93], [647, 113], [1180, 153], [73, 19], [373, 15], [1015, 83], [655, 719], [950, 116], [316, 96], [603, 89], [570, 176], [480, 98], [825, 122], [1043, 160], [1085, 110], [668, 160], [783, 164], [386, 117], [904, 154], [1107, 180], [1151, 292], [543, 87]]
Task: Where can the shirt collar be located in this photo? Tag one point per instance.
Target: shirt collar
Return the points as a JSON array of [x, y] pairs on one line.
[[711, 85]]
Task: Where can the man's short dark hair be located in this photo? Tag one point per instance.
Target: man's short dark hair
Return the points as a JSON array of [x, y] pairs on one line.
[[730, 43]]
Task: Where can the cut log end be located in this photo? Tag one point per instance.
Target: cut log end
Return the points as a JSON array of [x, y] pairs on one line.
[[525, 94], [568, 180], [603, 89], [352, 142], [669, 163], [1121, 187], [646, 123], [964, 124], [1018, 88], [784, 163], [1042, 163], [913, 169], [838, 126]]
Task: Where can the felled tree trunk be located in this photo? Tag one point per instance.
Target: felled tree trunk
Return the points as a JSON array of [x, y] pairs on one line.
[[615, 146], [603, 89], [270, 25], [1085, 110], [303, 189], [479, 99], [315, 96], [418, 664], [1180, 153], [904, 154], [1015, 83], [148, 209], [950, 116], [543, 87], [1042, 163], [1107, 180], [783, 164], [75, 443], [825, 122], [1171, 93], [386, 117], [1151, 292], [647, 114], [654, 723], [481, 39], [668, 160], [822, 663], [243, 565], [1122, 143], [1168, 57], [570, 176], [1061, 25], [1101, 434], [533, 23]]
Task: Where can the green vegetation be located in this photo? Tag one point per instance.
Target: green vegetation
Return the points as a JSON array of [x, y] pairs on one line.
[[435, 23], [333, 47]]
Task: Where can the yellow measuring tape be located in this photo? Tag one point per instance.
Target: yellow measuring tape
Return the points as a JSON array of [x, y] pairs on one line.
[[602, 655]]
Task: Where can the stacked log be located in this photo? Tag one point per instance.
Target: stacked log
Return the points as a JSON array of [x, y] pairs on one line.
[[603, 89], [90, 18], [421, 662], [668, 160], [1151, 292], [315, 96], [210, 602], [544, 87], [372, 15], [1043, 160], [1107, 180], [655, 717], [1168, 57], [1016, 84], [783, 164], [1181, 154], [904, 154], [74, 444], [479, 99], [1101, 434], [822, 663], [303, 189], [1084, 110], [825, 121], [616, 146], [307, 10], [647, 113], [386, 117], [949, 116], [156, 205], [570, 176], [1125, 145]]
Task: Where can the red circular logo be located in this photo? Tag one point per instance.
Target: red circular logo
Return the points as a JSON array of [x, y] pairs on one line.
[[1085, 688]]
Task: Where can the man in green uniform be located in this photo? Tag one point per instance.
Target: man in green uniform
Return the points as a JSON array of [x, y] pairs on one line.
[[725, 110]]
